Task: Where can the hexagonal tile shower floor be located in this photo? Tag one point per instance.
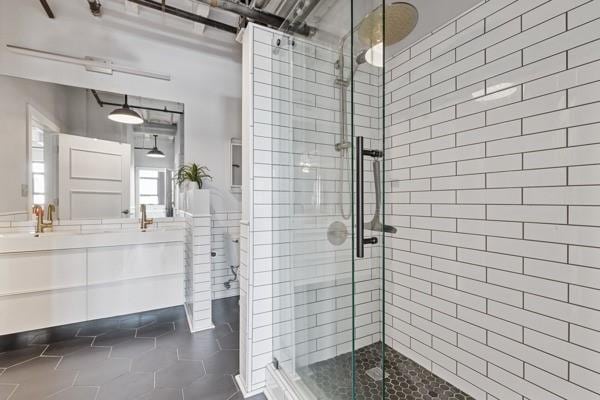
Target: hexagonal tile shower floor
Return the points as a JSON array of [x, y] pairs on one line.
[[405, 379], [146, 356]]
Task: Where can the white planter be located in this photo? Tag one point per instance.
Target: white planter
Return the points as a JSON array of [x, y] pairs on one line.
[[197, 201]]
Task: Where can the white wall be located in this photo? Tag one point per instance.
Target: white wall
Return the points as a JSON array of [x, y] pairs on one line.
[[494, 282], [206, 73]]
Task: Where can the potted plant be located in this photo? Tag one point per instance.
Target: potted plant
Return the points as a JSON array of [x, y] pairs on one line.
[[195, 200], [192, 173]]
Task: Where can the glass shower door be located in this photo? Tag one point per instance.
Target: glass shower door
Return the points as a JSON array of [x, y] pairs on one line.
[[327, 300]]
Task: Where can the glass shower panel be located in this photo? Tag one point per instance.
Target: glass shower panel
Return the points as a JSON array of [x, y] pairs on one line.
[[367, 132], [327, 303], [312, 216]]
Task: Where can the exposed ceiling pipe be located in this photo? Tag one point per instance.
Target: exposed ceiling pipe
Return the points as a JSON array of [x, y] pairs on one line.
[[161, 6], [298, 15], [95, 7], [47, 8], [103, 103], [260, 4], [256, 15]]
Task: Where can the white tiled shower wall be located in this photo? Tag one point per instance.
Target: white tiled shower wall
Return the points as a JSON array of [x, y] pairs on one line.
[[296, 287], [493, 179]]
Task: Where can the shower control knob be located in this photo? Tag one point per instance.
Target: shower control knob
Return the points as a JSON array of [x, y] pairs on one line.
[[371, 240]]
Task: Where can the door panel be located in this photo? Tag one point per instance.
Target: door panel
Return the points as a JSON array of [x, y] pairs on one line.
[[93, 177]]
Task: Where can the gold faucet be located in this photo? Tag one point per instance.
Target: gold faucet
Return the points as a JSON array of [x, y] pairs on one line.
[[40, 225], [144, 221]]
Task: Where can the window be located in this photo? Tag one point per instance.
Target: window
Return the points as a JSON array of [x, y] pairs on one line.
[[148, 181], [37, 165]]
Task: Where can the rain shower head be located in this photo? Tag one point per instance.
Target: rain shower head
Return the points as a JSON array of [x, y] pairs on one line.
[[400, 20]]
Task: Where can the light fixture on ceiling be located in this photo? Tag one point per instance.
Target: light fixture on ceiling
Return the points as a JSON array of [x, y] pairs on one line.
[[126, 115], [400, 20], [155, 152]]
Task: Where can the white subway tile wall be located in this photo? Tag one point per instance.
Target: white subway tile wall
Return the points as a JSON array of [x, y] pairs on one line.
[[198, 271], [493, 176], [296, 286]]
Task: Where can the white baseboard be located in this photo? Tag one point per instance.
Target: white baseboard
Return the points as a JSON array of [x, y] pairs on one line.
[[238, 380]]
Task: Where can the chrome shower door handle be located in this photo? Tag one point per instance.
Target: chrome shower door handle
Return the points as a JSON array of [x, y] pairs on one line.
[[360, 211]]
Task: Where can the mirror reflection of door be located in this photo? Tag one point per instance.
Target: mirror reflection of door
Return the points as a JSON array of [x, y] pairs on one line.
[[93, 177]]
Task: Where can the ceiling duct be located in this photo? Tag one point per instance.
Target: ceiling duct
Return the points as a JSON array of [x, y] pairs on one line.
[[163, 7], [156, 128]]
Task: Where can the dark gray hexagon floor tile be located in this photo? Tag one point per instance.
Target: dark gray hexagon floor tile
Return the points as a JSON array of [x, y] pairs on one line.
[[6, 390], [239, 396], [68, 346], [132, 348], [225, 310], [76, 393], [198, 349], [219, 330], [164, 394], [155, 330], [56, 334], [103, 371], [136, 321], [44, 385], [211, 387], [83, 358], [114, 337], [171, 314], [31, 369], [230, 342], [179, 374], [155, 359], [98, 327], [13, 357], [223, 362], [127, 386]]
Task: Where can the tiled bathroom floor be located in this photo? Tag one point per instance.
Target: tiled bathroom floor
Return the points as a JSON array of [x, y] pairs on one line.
[[406, 380], [147, 356]]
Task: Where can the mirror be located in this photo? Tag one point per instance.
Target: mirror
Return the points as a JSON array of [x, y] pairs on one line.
[[76, 148]]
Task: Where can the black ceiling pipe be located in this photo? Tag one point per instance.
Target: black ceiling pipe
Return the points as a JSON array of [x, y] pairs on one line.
[[47, 8], [261, 17], [159, 6], [102, 103]]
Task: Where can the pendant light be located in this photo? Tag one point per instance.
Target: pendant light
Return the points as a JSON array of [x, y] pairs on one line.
[[155, 152], [126, 115]]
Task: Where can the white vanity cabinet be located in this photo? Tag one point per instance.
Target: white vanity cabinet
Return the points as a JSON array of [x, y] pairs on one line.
[[67, 278]]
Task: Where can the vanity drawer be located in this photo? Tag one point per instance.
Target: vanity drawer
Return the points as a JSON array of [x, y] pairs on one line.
[[43, 270]]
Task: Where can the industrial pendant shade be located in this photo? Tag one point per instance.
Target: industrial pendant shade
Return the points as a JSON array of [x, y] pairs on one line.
[[126, 115], [155, 152]]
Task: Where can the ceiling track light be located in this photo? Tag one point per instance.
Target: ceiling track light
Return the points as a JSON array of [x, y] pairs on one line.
[[155, 152], [91, 64], [126, 115]]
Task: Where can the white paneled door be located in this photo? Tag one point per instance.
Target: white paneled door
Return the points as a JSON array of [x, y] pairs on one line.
[[93, 177]]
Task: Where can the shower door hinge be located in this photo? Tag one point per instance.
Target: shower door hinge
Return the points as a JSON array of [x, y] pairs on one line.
[[275, 363]]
